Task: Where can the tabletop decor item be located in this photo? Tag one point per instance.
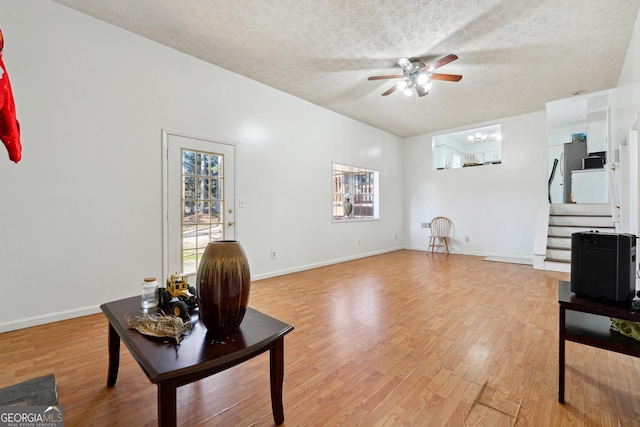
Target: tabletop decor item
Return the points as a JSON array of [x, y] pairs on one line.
[[626, 327], [223, 284], [177, 297], [160, 326]]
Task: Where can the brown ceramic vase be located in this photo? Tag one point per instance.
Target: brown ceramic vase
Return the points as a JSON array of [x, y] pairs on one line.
[[223, 284]]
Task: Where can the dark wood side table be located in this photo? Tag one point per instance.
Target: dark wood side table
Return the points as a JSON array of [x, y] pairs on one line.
[[200, 354], [586, 321]]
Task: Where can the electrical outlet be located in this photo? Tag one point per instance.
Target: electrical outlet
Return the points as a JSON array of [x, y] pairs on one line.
[[466, 239], [426, 225], [273, 254], [358, 242], [396, 237]]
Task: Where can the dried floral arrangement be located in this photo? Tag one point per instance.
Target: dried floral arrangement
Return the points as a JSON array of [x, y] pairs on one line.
[[626, 327], [160, 326]]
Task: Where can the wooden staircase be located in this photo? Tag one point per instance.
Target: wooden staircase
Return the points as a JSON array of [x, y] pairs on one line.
[[563, 221]]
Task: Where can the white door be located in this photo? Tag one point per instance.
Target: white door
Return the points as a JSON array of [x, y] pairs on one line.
[[198, 199]]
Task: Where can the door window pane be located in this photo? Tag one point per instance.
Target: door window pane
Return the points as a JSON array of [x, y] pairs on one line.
[[202, 205]]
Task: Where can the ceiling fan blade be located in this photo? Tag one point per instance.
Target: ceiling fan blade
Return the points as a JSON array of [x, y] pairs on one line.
[[405, 63], [390, 90], [384, 77], [446, 77], [421, 90], [442, 61]]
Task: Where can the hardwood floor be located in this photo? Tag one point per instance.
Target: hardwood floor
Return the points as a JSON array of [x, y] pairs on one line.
[[403, 338]]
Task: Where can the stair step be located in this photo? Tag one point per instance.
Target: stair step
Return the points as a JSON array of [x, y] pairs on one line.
[[562, 242], [555, 265], [566, 219], [564, 261], [580, 209], [559, 254], [581, 221], [567, 231]]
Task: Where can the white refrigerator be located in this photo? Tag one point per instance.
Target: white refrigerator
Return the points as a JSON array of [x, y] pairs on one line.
[[589, 186]]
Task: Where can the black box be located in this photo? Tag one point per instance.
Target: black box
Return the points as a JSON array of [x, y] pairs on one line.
[[592, 162], [603, 265]]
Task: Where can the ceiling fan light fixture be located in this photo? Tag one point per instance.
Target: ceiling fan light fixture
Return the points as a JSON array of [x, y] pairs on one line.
[[416, 75], [422, 79]]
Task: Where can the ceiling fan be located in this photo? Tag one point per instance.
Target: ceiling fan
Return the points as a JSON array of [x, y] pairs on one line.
[[415, 74]]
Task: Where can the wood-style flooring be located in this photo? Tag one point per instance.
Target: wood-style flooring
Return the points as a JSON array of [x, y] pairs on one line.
[[403, 338]]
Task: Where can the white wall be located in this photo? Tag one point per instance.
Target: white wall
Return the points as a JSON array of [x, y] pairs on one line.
[[494, 205], [625, 105], [81, 213], [625, 114]]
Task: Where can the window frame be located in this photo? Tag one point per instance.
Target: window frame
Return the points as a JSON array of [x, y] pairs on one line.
[[212, 200], [365, 193]]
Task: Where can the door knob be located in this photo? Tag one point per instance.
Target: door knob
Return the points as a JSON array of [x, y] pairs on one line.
[[230, 223]]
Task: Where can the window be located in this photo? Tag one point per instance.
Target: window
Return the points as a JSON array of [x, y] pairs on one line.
[[470, 147], [354, 193], [202, 205]]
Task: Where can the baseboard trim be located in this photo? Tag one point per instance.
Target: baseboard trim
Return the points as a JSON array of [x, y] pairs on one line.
[[510, 260], [527, 257], [48, 318], [321, 264]]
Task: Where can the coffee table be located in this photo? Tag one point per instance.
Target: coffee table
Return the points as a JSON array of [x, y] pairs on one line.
[[586, 321], [200, 354]]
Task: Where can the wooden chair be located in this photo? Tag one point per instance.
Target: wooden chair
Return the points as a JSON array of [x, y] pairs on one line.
[[440, 228]]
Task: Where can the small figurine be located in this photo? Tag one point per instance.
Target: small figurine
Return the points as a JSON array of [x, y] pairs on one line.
[[178, 297], [348, 206]]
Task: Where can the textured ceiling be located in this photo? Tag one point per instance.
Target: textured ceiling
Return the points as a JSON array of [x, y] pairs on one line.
[[515, 55]]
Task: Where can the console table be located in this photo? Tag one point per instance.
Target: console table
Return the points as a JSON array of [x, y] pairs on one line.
[[200, 355], [586, 321]]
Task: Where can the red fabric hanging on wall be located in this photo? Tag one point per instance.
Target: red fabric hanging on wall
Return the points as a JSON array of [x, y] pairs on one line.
[[9, 126]]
